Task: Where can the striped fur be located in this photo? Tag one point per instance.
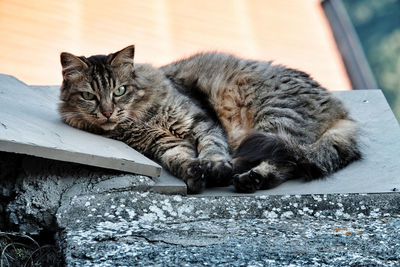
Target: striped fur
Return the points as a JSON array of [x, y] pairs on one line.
[[194, 114]]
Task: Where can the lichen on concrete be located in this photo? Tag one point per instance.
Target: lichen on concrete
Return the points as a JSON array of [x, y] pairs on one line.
[[275, 230]]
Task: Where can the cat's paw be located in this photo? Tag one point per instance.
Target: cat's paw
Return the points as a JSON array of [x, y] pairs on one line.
[[218, 171], [247, 182], [250, 181], [194, 176]]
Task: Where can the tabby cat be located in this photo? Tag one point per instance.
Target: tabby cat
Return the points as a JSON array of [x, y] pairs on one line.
[[212, 119]]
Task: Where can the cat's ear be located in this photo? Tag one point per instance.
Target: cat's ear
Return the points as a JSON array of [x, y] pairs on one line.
[[123, 57], [72, 66]]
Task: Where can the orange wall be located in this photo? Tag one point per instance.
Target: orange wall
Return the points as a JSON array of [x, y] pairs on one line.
[[291, 32]]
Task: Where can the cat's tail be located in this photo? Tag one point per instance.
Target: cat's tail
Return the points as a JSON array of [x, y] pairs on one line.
[[337, 147]]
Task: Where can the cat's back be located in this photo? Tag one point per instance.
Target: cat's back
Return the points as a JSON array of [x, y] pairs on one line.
[[247, 94], [213, 72], [211, 69]]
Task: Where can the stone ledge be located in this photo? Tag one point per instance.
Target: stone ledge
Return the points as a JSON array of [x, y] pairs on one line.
[[142, 228]]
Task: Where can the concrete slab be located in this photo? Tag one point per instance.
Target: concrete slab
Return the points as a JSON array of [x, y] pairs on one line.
[[169, 184], [30, 124], [378, 172]]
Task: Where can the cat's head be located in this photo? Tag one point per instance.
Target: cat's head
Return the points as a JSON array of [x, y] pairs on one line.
[[99, 92]]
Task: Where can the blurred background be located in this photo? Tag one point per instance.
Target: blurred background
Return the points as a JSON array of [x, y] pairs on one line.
[[377, 26], [292, 32], [296, 33]]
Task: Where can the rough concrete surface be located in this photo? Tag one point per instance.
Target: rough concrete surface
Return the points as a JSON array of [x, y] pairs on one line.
[[143, 229], [33, 193]]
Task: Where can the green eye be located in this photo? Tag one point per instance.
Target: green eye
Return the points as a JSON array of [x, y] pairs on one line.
[[88, 96], [120, 91]]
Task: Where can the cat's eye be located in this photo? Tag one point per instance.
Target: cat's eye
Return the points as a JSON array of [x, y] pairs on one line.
[[88, 96], [120, 91]]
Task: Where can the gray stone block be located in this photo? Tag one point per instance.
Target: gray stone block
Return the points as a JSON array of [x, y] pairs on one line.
[[148, 229], [35, 189]]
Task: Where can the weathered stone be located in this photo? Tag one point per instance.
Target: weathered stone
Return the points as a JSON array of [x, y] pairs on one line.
[[141, 228], [42, 185]]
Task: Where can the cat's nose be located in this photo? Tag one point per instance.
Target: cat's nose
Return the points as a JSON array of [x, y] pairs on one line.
[[107, 113]]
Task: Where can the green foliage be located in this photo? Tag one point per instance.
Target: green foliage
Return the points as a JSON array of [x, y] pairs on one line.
[[377, 24]]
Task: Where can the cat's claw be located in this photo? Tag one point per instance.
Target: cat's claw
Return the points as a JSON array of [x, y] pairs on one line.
[[195, 178], [247, 182]]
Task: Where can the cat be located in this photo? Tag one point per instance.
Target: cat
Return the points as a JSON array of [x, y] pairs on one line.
[[212, 119]]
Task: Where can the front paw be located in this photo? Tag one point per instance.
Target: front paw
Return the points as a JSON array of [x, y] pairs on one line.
[[194, 176], [218, 171]]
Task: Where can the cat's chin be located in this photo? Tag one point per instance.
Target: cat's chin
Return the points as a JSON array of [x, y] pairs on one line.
[[108, 126]]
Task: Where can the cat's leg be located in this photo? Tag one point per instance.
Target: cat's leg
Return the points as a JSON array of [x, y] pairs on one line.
[[282, 158], [177, 155], [214, 154], [181, 161], [265, 175]]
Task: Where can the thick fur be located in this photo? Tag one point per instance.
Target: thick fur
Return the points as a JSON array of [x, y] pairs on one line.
[[193, 114]]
